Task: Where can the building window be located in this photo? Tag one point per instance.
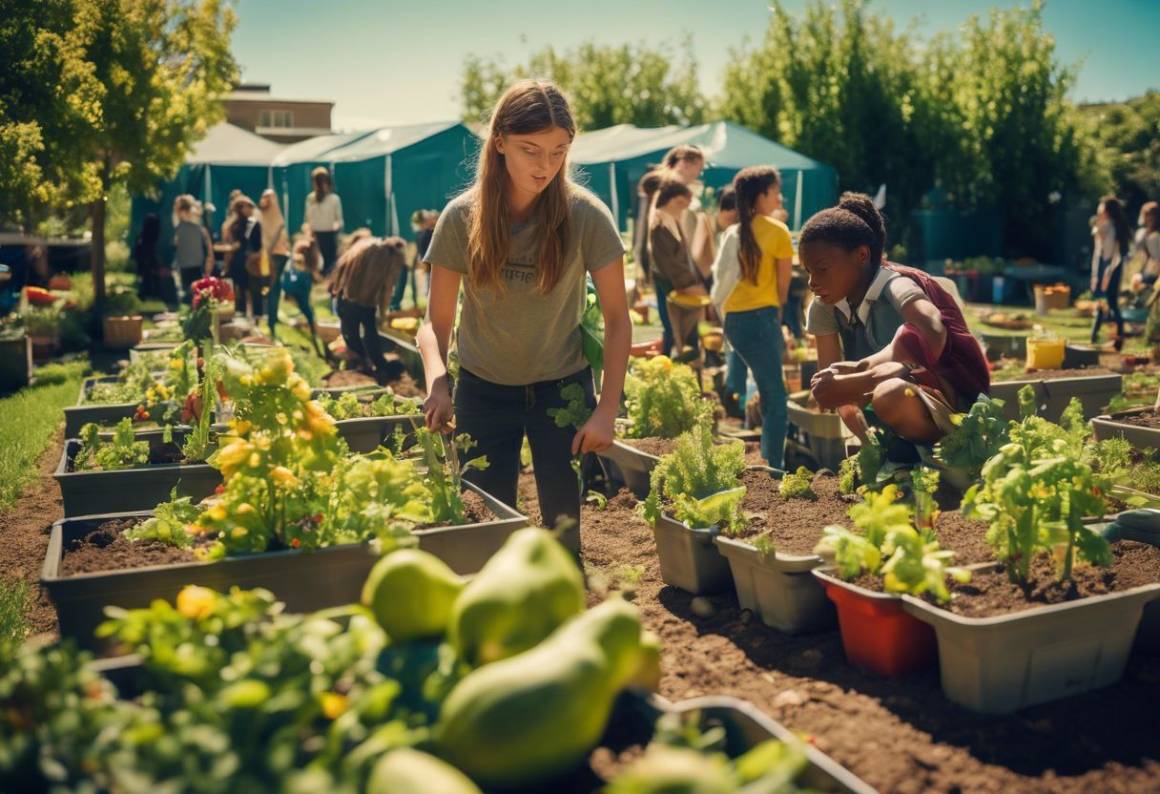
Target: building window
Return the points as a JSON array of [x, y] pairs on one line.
[[276, 118]]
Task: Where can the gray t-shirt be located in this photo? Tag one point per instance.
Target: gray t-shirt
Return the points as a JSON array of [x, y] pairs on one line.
[[516, 336], [871, 326]]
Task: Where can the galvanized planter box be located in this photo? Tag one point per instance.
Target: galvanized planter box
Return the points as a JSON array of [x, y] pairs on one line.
[[1112, 426], [630, 467], [304, 580], [1003, 663], [1052, 396], [77, 416], [821, 436], [121, 490]]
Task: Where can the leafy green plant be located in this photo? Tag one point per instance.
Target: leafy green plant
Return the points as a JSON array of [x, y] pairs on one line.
[[169, 523], [444, 475], [122, 451], [575, 411], [664, 399], [796, 485], [355, 405], [886, 543], [924, 486], [848, 475], [1035, 493], [699, 479], [977, 436]]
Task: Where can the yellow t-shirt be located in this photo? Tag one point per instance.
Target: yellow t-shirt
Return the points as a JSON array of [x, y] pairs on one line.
[[774, 241]]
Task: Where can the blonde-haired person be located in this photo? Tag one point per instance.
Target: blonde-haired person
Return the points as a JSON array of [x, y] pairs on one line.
[[522, 242], [365, 277], [192, 246], [324, 216], [674, 272], [276, 246]]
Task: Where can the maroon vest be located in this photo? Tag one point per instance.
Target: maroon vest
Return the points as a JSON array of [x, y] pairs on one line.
[[962, 363]]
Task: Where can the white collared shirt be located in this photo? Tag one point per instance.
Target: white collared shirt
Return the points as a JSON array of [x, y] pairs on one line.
[[876, 326]]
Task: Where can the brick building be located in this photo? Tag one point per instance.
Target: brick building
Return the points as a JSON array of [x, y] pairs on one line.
[[252, 107]]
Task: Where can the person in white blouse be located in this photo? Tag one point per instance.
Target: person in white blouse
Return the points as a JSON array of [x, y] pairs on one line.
[[1110, 238], [324, 217]]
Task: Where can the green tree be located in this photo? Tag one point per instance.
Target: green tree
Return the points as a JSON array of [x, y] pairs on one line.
[[1129, 136], [981, 114], [164, 66], [99, 93], [49, 97], [606, 84]]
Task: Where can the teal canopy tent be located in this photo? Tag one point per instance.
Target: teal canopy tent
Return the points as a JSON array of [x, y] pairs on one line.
[[382, 175], [227, 158], [611, 162]]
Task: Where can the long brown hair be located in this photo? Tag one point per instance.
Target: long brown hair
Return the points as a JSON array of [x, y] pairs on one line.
[[323, 184], [527, 107], [748, 185]]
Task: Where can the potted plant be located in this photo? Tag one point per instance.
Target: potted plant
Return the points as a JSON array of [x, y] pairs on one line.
[[122, 320], [15, 357], [1042, 622], [43, 326], [695, 494], [663, 400], [884, 557]]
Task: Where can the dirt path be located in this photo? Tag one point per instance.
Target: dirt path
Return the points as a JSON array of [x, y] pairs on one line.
[[898, 735], [24, 536]]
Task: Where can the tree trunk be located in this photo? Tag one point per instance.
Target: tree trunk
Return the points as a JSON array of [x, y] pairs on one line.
[[97, 213]]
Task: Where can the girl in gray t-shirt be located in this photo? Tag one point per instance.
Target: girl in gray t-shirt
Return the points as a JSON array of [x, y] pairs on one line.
[[522, 243]]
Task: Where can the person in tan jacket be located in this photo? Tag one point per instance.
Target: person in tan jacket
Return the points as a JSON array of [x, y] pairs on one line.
[[364, 279]]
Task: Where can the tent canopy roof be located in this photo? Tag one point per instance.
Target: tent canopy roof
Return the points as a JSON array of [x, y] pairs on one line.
[[226, 144], [726, 145], [354, 146]]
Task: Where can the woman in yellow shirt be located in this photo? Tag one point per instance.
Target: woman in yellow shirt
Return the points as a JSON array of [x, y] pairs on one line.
[[753, 308]]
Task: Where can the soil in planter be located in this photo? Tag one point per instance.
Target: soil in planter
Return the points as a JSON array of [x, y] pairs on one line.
[[348, 377], [1147, 418], [991, 593], [652, 445], [898, 735], [106, 549], [794, 525]]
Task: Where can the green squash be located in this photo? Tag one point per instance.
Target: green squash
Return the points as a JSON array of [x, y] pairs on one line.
[[412, 594], [538, 714], [524, 593]]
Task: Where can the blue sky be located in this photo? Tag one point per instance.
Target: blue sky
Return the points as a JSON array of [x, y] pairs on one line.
[[395, 62]]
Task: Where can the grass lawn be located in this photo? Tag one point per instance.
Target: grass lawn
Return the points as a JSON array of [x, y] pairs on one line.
[[31, 416], [13, 595]]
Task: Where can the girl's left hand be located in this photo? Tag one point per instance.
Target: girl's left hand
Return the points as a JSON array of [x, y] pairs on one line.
[[595, 436]]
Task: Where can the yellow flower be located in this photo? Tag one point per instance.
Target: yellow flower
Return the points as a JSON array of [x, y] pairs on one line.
[[244, 509], [196, 602], [217, 513], [240, 427], [299, 388], [255, 460], [333, 704], [284, 477], [231, 457]]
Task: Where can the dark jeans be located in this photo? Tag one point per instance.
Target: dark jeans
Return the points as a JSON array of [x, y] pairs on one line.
[[277, 264], [246, 286], [328, 247], [360, 331], [756, 336], [663, 290], [407, 276], [497, 418], [188, 276], [1112, 296]]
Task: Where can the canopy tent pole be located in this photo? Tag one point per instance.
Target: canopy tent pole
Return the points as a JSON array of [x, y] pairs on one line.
[[392, 210], [797, 201], [207, 189], [614, 197]]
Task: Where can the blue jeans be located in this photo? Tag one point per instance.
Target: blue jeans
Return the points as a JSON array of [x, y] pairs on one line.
[[408, 275], [1112, 296], [756, 336], [737, 377]]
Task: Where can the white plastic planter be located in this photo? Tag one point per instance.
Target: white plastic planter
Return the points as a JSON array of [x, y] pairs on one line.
[[778, 588], [1052, 396], [1003, 663], [1113, 426]]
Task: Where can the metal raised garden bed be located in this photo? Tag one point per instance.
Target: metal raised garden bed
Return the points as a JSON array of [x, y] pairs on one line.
[[1112, 426], [304, 580], [820, 436], [139, 488], [1052, 396]]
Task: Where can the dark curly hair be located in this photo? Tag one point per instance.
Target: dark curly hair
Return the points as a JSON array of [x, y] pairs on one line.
[[854, 222]]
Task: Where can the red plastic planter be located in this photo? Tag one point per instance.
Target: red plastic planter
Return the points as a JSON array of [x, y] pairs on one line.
[[876, 633]]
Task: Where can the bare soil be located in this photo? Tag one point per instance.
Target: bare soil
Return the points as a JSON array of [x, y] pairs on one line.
[[899, 735]]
